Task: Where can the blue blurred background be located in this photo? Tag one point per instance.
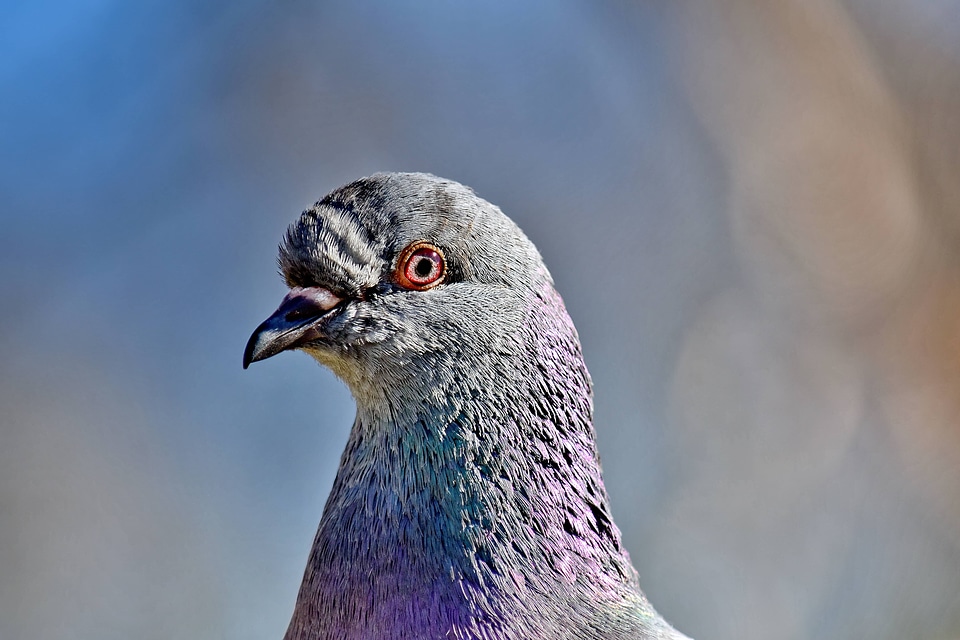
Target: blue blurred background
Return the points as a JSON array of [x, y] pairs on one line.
[[751, 208]]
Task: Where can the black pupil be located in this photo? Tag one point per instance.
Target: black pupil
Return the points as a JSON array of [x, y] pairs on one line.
[[424, 267]]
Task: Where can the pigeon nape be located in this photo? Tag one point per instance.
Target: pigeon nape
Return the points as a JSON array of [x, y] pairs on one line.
[[469, 502]]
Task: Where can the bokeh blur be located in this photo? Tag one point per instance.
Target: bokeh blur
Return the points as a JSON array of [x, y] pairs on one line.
[[751, 207]]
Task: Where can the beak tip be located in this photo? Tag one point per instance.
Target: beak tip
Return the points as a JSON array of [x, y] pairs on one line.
[[251, 351]]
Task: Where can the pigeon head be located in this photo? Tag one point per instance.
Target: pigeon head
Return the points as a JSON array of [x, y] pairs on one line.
[[394, 272], [469, 502]]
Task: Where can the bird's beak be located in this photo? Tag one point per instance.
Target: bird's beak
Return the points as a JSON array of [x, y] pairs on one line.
[[291, 325]]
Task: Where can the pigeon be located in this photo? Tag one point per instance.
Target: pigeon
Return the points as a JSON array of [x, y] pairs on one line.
[[469, 501]]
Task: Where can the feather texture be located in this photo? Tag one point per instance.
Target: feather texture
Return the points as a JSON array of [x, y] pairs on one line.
[[469, 502]]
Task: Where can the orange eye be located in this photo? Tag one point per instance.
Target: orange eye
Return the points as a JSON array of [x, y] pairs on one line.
[[421, 266]]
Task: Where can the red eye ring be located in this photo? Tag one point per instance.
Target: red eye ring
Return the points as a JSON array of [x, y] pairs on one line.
[[421, 266]]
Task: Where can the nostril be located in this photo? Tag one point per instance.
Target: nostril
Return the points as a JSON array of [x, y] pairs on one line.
[[304, 309], [296, 314]]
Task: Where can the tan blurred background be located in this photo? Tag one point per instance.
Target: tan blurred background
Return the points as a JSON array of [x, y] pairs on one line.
[[751, 208]]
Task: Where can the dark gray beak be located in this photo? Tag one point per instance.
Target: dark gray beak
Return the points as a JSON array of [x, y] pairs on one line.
[[293, 324]]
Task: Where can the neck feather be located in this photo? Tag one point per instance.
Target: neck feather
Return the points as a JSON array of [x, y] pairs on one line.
[[474, 509]]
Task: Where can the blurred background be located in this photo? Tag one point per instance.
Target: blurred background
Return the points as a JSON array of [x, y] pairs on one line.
[[751, 207]]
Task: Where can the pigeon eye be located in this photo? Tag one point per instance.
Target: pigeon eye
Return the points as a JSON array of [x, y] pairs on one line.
[[421, 266]]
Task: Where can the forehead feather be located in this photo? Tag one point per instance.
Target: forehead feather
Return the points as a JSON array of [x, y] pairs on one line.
[[354, 233]]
